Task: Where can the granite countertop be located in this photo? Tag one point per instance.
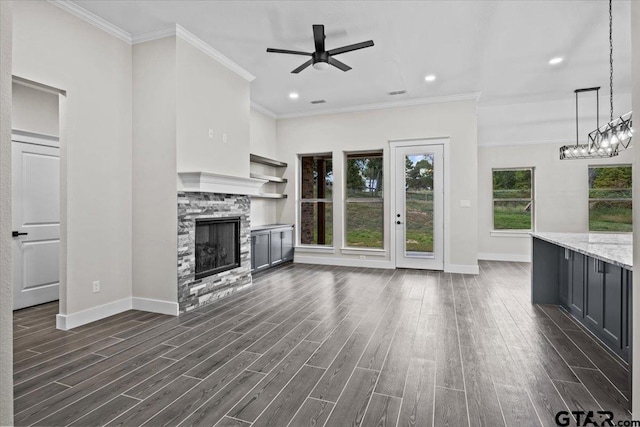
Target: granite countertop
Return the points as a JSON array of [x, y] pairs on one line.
[[269, 226], [614, 248]]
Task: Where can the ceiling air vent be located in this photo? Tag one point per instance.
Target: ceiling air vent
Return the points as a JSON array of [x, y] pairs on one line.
[[319, 101], [397, 92]]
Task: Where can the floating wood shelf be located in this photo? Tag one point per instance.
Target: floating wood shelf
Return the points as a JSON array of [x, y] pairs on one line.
[[269, 196], [254, 158], [269, 178]]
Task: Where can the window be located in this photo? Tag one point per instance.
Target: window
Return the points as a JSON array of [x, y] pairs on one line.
[[316, 197], [364, 207], [513, 199], [610, 198]]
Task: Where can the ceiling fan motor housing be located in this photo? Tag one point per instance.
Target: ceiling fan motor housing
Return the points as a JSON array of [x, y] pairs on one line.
[[320, 57]]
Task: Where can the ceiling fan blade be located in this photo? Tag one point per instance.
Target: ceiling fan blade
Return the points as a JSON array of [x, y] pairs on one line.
[[350, 47], [290, 52], [338, 64], [303, 66], [318, 37]]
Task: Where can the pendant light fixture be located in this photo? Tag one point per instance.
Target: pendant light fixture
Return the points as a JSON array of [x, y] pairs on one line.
[[584, 151], [616, 135]]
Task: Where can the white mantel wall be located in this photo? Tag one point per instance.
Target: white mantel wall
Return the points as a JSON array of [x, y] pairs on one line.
[[155, 219], [53, 47], [372, 130], [210, 96]]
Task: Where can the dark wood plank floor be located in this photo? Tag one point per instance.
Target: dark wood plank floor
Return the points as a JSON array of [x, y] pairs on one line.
[[317, 345]]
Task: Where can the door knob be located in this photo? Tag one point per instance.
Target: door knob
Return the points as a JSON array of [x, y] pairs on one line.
[[398, 222], [16, 234], [398, 215]]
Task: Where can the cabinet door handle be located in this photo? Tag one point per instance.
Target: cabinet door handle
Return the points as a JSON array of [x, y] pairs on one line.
[[598, 266], [567, 254]]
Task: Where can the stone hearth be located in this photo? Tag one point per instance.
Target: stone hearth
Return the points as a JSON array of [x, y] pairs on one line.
[[194, 293]]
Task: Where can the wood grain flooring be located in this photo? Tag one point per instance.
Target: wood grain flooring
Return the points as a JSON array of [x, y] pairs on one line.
[[323, 346]]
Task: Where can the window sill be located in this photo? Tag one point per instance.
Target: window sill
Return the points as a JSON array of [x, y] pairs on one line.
[[364, 251], [315, 249], [510, 233]]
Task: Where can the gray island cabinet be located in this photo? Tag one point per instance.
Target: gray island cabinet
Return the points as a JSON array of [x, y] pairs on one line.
[[590, 275], [271, 245]]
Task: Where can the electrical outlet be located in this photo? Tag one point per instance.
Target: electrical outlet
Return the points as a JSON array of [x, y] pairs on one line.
[[465, 203], [210, 133], [96, 286], [224, 137], [363, 257]]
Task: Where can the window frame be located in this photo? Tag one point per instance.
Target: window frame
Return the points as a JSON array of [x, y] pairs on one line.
[[589, 199], [315, 200], [362, 154], [509, 232]]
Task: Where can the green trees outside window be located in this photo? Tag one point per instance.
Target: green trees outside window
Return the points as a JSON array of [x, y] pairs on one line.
[[364, 206], [610, 204], [513, 199]]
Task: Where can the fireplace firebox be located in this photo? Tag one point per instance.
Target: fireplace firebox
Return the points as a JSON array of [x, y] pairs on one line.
[[217, 246]]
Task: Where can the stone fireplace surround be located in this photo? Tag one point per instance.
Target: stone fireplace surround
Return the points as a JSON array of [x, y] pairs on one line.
[[207, 195]]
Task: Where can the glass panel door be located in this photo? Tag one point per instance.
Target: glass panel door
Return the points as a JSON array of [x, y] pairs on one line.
[[419, 207]]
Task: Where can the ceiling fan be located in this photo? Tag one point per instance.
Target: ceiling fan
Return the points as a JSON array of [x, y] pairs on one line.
[[321, 57]]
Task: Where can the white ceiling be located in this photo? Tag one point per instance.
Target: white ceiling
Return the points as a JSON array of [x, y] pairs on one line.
[[498, 48]]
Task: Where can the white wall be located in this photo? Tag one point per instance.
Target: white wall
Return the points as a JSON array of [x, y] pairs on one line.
[[370, 130], [155, 217], [55, 48], [561, 195], [35, 110], [6, 282], [635, 72], [548, 121], [263, 143], [210, 96]]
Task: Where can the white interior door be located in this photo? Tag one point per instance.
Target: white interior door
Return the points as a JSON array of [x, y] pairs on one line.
[[419, 206], [36, 223]]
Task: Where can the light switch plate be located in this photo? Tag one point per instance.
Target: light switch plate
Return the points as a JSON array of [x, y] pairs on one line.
[[210, 133]]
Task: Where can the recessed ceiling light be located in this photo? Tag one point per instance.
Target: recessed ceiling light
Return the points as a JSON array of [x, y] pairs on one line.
[[294, 95], [429, 78], [556, 60]]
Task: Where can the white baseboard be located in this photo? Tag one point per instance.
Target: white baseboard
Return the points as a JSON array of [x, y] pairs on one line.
[[73, 320], [462, 268], [343, 262], [155, 306], [504, 257]]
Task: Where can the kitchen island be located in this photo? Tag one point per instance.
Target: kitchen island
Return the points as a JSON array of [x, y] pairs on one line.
[[590, 275]]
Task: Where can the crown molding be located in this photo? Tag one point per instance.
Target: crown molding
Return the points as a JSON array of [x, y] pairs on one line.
[[92, 19], [161, 33], [176, 30], [475, 96], [206, 48], [193, 40], [263, 110], [558, 141]]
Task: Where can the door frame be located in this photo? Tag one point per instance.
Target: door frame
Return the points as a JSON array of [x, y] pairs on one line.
[[445, 142]]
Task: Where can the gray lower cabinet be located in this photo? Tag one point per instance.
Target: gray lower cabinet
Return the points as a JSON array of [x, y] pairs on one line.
[[260, 242], [598, 294], [271, 246]]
